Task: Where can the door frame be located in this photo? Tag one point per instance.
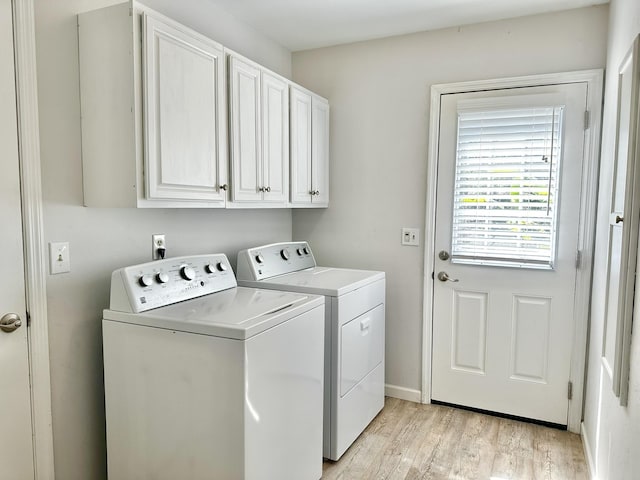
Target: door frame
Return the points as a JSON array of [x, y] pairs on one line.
[[586, 234], [33, 236]]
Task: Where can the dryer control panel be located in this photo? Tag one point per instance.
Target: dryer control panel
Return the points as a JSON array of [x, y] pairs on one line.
[[155, 284], [275, 259]]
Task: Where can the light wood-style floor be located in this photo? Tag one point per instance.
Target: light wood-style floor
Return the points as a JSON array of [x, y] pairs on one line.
[[413, 441]]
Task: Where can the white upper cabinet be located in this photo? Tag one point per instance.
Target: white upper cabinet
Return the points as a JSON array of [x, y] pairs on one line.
[[259, 114], [309, 149], [275, 138], [184, 111], [156, 122], [320, 151], [153, 111]]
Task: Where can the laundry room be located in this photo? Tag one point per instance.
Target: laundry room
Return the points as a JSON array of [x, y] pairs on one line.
[[377, 73]]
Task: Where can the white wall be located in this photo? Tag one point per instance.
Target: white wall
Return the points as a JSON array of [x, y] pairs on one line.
[[612, 432], [379, 94], [102, 240]]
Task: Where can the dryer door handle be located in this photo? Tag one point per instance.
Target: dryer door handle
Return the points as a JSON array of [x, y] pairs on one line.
[[365, 325]]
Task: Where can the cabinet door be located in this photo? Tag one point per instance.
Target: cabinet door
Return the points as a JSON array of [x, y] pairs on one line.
[[246, 164], [320, 152], [185, 134], [275, 139], [300, 147]]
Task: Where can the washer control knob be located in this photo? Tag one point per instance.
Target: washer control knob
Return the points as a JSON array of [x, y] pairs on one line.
[[187, 273], [259, 258], [162, 277], [284, 253], [210, 268], [306, 250], [221, 267], [300, 252], [145, 280]]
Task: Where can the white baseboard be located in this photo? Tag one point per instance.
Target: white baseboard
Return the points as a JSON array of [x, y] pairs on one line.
[[587, 453], [402, 393]]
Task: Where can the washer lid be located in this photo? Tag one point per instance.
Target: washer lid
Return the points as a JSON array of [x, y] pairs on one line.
[[331, 282], [238, 313]]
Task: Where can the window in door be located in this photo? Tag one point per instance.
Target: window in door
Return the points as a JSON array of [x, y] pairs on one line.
[[506, 183]]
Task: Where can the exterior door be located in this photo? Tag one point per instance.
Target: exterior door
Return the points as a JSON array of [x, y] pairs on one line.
[[507, 218], [16, 454]]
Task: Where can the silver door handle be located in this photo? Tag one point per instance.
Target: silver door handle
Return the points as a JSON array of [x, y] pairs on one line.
[[10, 322], [444, 277]]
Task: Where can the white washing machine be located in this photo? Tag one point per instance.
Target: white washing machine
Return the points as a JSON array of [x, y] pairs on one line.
[[354, 332], [207, 380]]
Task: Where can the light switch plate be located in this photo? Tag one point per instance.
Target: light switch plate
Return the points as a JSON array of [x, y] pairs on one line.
[[59, 257]]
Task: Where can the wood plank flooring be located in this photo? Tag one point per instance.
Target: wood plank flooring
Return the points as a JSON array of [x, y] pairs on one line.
[[410, 441]]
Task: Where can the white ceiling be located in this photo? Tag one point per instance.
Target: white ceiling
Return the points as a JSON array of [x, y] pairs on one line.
[[305, 24]]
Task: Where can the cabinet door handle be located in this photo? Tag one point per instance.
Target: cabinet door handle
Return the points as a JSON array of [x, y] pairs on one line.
[[261, 189], [312, 192], [267, 189], [223, 187]]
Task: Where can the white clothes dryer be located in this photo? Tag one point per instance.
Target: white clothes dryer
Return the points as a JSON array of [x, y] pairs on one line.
[[204, 379], [354, 332]]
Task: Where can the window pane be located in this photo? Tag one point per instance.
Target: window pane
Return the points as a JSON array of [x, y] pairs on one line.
[[506, 186]]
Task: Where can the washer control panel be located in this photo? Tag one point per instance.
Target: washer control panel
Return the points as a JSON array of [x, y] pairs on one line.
[[155, 284], [275, 259]]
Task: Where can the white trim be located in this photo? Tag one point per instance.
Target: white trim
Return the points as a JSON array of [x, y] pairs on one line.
[[35, 263], [586, 236], [402, 393], [586, 446]]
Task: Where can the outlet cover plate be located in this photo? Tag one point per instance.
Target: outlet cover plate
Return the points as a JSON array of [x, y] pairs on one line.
[[157, 241], [410, 236]]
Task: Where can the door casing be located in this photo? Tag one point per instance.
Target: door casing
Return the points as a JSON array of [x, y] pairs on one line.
[[586, 235]]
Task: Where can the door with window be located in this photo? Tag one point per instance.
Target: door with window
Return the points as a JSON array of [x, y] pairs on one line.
[[507, 218]]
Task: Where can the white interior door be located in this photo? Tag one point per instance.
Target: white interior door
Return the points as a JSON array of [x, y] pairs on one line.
[[16, 454], [507, 218]]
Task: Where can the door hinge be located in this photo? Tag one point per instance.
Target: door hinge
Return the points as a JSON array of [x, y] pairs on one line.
[[587, 119], [28, 319], [570, 390], [433, 275], [578, 258]]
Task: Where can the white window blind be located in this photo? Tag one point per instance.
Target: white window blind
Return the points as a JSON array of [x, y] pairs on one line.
[[506, 186]]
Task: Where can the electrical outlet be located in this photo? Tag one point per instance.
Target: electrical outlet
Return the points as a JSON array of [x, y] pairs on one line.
[[410, 236], [157, 242], [59, 257]]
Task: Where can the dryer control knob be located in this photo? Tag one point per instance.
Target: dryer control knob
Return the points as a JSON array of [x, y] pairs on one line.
[[221, 267], [284, 253], [145, 280], [300, 252], [306, 250], [210, 268], [259, 258], [187, 273], [162, 278]]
